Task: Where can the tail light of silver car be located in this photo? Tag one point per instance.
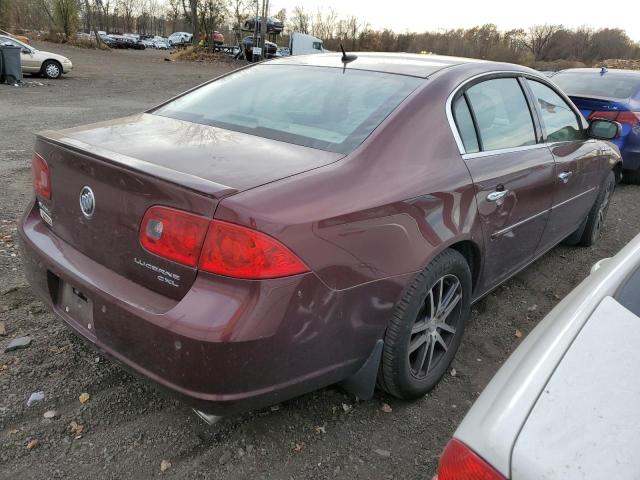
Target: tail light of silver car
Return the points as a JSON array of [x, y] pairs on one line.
[[216, 246], [41, 176], [459, 462]]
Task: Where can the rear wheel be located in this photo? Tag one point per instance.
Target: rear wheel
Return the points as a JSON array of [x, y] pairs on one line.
[[597, 215], [426, 328], [52, 69]]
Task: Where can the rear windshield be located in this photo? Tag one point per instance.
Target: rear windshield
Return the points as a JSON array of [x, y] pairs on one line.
[[324, 108], [609, 85]]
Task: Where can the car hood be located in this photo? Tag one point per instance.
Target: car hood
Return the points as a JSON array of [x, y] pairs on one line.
[[585, 423], [54, 56], [236, 160]]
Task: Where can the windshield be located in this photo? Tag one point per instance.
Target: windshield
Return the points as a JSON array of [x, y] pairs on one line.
[[13, 42], [316, 107], [587, 84]]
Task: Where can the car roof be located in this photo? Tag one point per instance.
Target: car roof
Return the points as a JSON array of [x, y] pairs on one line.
[[417, 65]]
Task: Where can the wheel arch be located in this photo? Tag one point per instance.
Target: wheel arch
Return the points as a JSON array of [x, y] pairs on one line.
[[471, 252]]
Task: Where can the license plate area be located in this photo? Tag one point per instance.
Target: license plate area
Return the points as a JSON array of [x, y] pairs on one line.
[[76, 306]]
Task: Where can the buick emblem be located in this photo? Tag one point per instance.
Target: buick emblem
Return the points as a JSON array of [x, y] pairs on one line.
[[87, 202]]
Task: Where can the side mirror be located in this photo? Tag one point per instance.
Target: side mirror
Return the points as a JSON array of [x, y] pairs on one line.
[[604, 129], [26, 50]]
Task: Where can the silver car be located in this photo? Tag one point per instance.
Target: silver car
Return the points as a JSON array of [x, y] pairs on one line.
[[565, 404], [50, 65]]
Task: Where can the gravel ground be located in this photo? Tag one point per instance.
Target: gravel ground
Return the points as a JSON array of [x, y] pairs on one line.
[[127, 428]]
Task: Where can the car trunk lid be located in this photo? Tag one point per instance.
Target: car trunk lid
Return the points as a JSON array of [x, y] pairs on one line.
[[134, 163]]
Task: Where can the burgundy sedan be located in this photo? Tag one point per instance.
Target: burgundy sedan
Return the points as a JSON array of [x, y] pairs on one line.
[[304, 221]]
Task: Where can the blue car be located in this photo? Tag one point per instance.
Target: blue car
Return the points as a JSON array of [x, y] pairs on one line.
[[614, 95]]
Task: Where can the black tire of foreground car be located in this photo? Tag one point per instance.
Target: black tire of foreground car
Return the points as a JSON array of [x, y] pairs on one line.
[[588, 235], [52, 69], [426, 328]]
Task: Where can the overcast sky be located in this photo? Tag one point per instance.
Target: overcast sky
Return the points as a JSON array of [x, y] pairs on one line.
[[421, 15]]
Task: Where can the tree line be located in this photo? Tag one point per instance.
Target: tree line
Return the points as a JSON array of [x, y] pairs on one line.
[[532, 46]]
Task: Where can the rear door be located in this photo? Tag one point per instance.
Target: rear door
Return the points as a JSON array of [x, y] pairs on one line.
[[578, 162], [513, 173]]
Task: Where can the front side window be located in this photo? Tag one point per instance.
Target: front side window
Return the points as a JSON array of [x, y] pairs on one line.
[[502, 114], [560, 121], [319, 107]]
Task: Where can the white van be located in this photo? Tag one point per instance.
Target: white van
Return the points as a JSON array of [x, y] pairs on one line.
[[303, 44]]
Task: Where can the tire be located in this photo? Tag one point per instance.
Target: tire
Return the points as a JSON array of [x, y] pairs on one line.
[[414, 358], [52, 69], [597, 215], [631, 176]]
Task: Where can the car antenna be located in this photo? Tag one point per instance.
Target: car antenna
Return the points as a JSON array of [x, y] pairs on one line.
[[346, 58]]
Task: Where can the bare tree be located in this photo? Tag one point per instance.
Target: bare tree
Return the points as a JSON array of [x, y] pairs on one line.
[[541, 38], [65, 13], [300, 21], [191, 14]]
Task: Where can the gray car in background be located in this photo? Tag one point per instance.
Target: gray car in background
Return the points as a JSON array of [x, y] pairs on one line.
[[565, 404]]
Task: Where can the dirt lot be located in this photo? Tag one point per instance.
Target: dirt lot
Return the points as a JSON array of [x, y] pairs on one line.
[[128, 427]]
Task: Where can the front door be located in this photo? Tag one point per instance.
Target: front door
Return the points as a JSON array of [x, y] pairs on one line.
[[578, 173], [513, 174]]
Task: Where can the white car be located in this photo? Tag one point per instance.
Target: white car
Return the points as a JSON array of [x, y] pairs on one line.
[[180, 38], [51, 65], [161, 44], [565, 404]]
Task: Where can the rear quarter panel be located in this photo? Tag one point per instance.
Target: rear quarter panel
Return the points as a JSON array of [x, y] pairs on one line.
[[383, 211]]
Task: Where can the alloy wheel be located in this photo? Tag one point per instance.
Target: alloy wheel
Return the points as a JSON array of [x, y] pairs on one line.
[[435, 325]]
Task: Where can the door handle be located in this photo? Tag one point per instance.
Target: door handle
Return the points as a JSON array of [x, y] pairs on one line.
[[497, 195], [564, 176]]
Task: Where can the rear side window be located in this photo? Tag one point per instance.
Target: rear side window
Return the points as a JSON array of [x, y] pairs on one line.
[[502, 114], [560, 121], [326, 108], [464, 122]]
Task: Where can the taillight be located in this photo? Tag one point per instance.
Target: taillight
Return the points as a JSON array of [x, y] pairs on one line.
[[215, 246], [459, 462], [41, 176], [173, 234], [241, 252], [625, 118], [628, 118]]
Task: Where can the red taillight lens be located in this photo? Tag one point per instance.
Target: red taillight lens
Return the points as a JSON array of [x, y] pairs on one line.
[[628, 118], [241, 252], [603, 115], [41, 176], [216, 246], [459, 462], [625, 118], [173, 234]]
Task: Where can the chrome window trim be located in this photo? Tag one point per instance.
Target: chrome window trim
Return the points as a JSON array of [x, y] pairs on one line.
[[454, 127], [490, 153]]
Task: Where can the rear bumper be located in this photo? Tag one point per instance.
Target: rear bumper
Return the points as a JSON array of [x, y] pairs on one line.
[[630, 150], [228, 345]]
